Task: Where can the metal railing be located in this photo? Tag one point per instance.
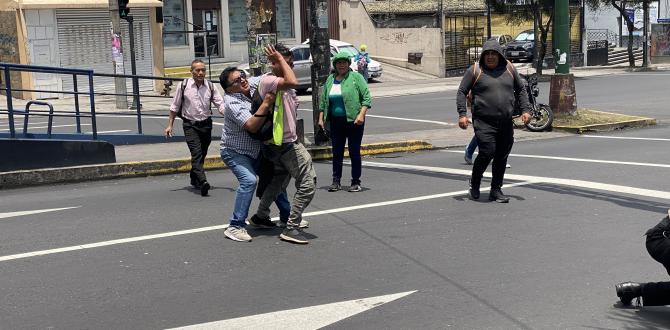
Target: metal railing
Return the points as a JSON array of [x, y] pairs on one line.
[[91, 93]]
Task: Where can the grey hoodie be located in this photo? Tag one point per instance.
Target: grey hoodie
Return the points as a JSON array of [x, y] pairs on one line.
[[494, 94]]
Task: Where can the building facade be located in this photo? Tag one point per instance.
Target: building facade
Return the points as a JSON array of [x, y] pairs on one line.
[[217, 29]]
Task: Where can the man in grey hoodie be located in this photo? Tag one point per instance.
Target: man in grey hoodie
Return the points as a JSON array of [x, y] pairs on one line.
[[493, 85]]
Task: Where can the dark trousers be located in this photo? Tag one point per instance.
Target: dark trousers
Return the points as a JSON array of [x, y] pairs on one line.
[[198, 136], [495, 140], [340, 131], [658, 293]]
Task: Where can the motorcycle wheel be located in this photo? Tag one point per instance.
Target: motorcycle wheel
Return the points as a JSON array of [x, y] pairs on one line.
[[541, 120]]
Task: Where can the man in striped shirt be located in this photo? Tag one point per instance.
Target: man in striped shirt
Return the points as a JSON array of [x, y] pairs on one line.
[[192, 103]]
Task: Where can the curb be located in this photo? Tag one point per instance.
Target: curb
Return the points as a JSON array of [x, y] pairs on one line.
[[633, 123], [18, 179]]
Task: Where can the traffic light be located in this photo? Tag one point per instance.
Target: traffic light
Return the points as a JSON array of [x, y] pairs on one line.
[[123, 8]]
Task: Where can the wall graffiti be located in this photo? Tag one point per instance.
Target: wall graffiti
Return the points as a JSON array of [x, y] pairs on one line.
[[7, 44], [396, 37]]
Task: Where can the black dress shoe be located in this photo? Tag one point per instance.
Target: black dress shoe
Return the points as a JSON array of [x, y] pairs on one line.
[[498, 196], [627, 291], [474, 192], [204, 189]]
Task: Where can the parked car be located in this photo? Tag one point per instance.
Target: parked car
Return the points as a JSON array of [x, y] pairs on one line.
[[475, 52], [522, 48], [302, 62], [375, 69]]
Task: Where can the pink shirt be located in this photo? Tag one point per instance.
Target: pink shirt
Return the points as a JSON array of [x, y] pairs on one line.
[[196, 100], [290, 100]]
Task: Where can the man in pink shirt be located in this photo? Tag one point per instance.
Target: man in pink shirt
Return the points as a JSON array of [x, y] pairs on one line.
[[192, 103], [290, 158]]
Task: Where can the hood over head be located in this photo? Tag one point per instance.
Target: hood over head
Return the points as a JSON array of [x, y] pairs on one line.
[[492, 44]]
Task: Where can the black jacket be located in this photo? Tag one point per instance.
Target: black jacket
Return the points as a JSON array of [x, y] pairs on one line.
[[493, 96]]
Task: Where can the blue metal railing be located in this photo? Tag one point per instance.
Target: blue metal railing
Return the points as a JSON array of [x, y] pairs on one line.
[[8, 67]]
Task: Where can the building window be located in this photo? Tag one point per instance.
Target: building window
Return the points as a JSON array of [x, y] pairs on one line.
[[237, 16], [284, 17], [174, 27]]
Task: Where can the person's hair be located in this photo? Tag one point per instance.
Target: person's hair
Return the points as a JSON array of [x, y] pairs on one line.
[[223, 78], [283, 50], [194, 62]]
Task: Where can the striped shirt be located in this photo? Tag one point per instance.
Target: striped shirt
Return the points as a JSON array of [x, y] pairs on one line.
[[238, 110], [196, 105]]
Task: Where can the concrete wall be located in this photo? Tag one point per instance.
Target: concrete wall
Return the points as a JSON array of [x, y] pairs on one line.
[[43, 49], [13, 49], [391, 45]]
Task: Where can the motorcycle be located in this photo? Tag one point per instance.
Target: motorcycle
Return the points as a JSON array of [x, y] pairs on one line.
[[541, 116]]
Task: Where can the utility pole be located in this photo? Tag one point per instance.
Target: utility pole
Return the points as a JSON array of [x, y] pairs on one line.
[[488, 19], [319, 47], [645, 43], [562, 95], [119, 83]]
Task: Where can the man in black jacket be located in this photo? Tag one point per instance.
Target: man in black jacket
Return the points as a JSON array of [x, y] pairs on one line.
[[492, 84], [652, 293]]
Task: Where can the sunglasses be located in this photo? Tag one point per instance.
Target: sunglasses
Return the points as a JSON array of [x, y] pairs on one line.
[[238, 80]]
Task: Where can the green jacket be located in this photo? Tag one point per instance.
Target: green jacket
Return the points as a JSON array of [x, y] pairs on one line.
[[354, 92]]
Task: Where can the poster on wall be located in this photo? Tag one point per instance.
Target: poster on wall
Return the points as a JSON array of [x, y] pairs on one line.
[[660, 40], [636, 14], [257, 58]]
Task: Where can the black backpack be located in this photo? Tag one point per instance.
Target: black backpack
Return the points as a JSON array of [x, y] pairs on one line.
[[265, 132]]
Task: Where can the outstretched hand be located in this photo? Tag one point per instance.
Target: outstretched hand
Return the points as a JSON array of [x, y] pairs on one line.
[[272, 54]]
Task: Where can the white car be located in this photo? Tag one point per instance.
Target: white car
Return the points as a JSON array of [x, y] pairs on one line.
[[374, 68]]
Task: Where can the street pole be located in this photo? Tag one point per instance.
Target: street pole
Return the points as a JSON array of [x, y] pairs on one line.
[[562, 95], [488, 18], [645, 43], [119, 82], [320, 49], [133, 69]]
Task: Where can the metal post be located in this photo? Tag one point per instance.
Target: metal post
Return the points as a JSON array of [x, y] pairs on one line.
[[10, 108], [320, 49], [562, 36], [133, 69], [76, 103], [645, 34], [91, 95], [488, 19], [119, 82], [209, 53]]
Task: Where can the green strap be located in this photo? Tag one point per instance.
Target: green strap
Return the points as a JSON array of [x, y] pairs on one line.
[[278, 120]]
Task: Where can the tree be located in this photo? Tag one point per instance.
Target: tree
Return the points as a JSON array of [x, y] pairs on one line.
[[621, 7], [518, 11]]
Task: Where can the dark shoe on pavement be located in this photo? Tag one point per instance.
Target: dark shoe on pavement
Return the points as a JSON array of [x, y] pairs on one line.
[[258, 222], [498, 196], [335, 187], [294, 235], [627, 291], [204, 189], [474, 192]]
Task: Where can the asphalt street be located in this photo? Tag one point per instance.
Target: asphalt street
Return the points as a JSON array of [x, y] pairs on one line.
[[643, 94], [408, 252]]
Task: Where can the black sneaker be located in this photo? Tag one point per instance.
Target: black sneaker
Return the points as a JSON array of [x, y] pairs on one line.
[[355, 188], [294, 236], [258, 222], [334, 187], [498, 196], [627, 291], [473, 192], [204, 189]]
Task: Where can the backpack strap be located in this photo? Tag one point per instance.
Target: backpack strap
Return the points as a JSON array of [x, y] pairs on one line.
[[510, 68], [477, 71], [211, 96], [181, 104]]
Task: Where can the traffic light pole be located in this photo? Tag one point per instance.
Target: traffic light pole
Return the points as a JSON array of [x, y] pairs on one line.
[[119, 83], [133, 67], [562, 94]]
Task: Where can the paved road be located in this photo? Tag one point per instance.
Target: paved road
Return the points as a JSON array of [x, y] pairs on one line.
[[409, 252], [642, 94]]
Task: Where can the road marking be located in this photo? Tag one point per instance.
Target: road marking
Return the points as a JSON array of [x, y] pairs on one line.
[[535, 179], [402, 118], [624, 138], [219, 227], [105, 132], [583, 160], [21, 213], [305, 318]]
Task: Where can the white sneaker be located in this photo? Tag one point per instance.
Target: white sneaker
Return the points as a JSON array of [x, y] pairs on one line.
[[238, 234], [303, 224], [508, 165]]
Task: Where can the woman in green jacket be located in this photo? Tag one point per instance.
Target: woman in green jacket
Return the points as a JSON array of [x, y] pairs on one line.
[[343, 105]]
